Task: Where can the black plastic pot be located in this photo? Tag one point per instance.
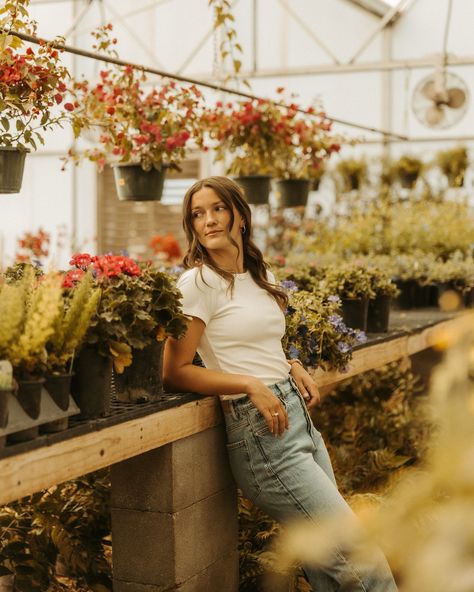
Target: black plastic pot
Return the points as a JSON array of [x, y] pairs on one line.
[[256, 188], [29, 396], [58, 387], [408, 180], [406, 297], [469, 298], [135, 184], [354, 312], [143, 380], [378, 314], [292, 193], [4, 396], [315, 183], [91, 383], [12, 164]]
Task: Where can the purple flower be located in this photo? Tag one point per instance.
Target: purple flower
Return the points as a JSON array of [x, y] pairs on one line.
[[360, 336], [289, 285], [338, 324], [294, 353], [343, 347], [334, 298]]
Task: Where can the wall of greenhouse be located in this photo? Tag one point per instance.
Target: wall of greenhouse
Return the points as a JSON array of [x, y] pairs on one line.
[[176, 35]]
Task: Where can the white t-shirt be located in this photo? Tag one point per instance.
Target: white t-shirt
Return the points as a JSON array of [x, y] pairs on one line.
[[243, 332]]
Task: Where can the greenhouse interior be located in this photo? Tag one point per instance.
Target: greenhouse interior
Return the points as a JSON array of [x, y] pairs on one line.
[[169, 165]]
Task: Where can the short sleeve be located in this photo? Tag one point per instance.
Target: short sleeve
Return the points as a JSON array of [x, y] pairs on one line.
[[270, 277], [198, 298]]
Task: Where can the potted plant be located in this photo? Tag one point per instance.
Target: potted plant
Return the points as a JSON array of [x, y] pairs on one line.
[[142, 132], [139, 308], [455, 281], [32, 83], [453, 163], [316, 333], [31, 307], [78, 305], [407, 169], [352, 173], [6, 388], [307, 144], [353, 284], [384, 290]]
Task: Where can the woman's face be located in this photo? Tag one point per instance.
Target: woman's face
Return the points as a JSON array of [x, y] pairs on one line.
[[211, 219]]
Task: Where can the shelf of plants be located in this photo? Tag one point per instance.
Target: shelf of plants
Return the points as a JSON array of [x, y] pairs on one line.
[[88, 445]]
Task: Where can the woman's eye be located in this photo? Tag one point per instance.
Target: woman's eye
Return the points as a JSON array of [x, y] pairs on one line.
[[196, 214]]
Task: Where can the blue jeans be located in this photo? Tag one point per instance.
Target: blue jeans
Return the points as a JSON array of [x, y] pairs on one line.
[[291, 477]]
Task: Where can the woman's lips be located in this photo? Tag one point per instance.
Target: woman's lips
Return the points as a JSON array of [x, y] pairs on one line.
[[213, 232]]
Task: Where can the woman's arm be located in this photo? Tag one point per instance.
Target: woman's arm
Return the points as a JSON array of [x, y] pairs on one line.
[[179, 374]]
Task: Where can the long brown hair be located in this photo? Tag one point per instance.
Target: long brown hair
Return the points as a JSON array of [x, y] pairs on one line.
[[232, 195]]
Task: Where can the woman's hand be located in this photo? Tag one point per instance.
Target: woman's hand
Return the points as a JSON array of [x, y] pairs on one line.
[[306, 385], [269, 405]]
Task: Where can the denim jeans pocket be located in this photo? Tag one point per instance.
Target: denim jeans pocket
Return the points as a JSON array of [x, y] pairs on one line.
[[242, 469]]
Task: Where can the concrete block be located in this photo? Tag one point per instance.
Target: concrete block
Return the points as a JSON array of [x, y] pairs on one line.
[[221, 576], [143, 546], [204, 532], [144, 482], [173, 476], [200, 467]]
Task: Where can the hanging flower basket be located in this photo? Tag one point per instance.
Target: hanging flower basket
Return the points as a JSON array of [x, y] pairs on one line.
[[256, 188], [408, 180], [12, 163], [135, 184], [292, 193]]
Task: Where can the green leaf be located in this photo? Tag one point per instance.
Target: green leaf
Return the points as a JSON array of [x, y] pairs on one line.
[[5, 123]]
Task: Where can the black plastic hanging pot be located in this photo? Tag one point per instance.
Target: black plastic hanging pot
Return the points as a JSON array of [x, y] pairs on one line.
[[292, 193], [12, 164], [135, 184], [378, 314], [354, 312], [408, 180], [256, 188]]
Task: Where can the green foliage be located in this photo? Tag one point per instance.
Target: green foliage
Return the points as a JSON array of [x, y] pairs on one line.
[[406, 166], [71, 520], [72, 323], [351, 172], [34, 306], [135, 310], [315, 332], [373, 425], [256, 533], [453, 163]]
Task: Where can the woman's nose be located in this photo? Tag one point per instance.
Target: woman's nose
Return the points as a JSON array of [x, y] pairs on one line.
[[210, 219]]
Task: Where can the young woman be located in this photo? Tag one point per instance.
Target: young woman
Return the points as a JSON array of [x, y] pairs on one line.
[[278, 458]]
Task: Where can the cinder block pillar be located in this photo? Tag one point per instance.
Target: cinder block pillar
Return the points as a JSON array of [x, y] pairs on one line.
[[174, 518]]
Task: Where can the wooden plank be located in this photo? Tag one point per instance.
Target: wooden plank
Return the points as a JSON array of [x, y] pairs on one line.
[[41, 468], [377, 355]]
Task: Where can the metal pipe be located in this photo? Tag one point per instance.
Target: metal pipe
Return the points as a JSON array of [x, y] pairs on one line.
[[218, 87]]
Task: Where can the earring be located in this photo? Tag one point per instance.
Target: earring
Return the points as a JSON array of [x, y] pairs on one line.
[[243, 228]]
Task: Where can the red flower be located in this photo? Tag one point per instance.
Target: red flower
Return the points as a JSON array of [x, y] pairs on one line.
[[69, 106], [81, 260]]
